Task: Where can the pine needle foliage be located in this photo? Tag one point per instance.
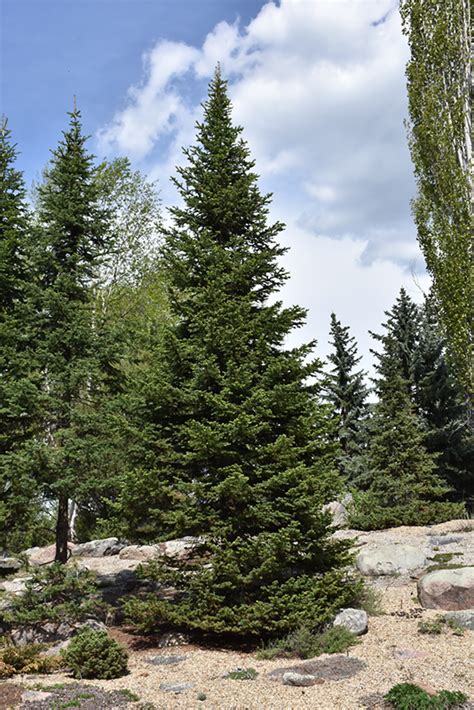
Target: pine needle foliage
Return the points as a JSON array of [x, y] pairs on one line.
[[238, 447]]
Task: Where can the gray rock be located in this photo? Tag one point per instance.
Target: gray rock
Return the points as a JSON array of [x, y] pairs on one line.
[[338, 513], [99, 548], [165, 660], [390, 559], [14, 586], [354, 620], [445, 540], [9, 565], [299, 680], [464, 618], [176, 687], [34, 696], [139, 552], [51, 632], [179, 548], [171, 639], [450, 589]]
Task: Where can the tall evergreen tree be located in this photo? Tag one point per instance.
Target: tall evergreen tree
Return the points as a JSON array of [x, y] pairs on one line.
[[404, 487], [71, 226], [440, 402], [347, 393], [237, 447], [17, 368]]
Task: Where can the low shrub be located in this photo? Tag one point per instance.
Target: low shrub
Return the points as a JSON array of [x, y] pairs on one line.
[[243, 674], [439, 624], [304, 643], [366, 513], [56, 593], [406, 696], [27, 659], [93, 654]]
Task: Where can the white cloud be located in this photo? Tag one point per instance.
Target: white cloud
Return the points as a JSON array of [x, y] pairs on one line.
[[320, 90]]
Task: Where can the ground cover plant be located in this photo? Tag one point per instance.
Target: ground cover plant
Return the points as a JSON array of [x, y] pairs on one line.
[[406, 696]]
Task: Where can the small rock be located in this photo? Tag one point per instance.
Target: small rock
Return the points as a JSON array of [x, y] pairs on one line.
[[300, 680], [172, 638], [451, 589], [404, 653], [34, 696], [464, 618], [165, 660], [176, 687], [354, 620], [390, 559], [445, 540], [9, 565]]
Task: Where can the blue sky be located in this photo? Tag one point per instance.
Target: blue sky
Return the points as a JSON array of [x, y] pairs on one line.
[[318, 86]]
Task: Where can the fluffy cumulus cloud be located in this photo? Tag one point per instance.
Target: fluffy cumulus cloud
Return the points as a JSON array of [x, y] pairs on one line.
[[319, 88]]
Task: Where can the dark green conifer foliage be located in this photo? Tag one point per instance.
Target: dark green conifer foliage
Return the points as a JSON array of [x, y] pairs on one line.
[[18, 494], [237, 442], [347, 393], [71, 228], [404, 487], [441, 403]]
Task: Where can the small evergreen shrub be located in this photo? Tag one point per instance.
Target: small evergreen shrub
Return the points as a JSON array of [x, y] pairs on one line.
[[304, 643], [93, 654], [26, 659], [243, 674], [56, 593], [366, 513], [406, 696]]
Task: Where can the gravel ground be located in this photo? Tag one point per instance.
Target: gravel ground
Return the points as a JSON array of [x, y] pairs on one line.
[[391, 652]]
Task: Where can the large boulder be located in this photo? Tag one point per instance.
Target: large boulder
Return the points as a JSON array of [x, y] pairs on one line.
[[14, 586], [99, 548], [338, 510], [51, 632], [451, 589], [390, 559], [44, 555], [354, 620], [179, 548]]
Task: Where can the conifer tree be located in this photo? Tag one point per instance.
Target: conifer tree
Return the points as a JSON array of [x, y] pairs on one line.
[[71, 226], [347, 393], [404, 487], [18, 494], [237, 449], [440, 402]]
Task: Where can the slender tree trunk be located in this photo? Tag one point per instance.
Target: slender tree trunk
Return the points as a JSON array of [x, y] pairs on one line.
[[62, 529]]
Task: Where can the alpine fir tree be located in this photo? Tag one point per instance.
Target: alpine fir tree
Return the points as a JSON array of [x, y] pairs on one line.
[[347, 393], [440, 402], [237, 445], [404, 487], [71, 228], [18, 494]]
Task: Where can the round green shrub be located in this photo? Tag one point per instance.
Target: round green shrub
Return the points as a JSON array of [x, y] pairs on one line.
[[93, 654]]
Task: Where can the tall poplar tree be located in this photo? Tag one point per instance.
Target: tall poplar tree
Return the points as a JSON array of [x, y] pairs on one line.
[[237, 447], [71, 228], [440, 100]]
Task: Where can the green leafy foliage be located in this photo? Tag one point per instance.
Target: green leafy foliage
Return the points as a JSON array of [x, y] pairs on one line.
[[439, 625], [56, 593], [305, 643], [439, 102], [93, 654], [406, 696]]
